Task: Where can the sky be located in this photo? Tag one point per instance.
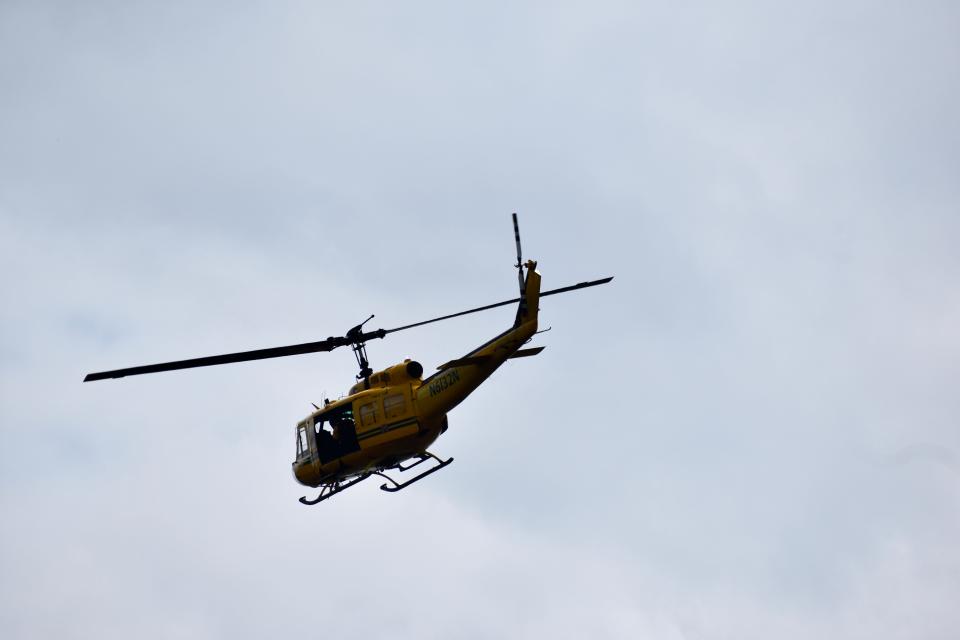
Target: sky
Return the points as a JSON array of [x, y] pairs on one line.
[[751, 433]]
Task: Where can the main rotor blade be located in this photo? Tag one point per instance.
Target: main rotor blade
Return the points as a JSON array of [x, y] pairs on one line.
[[573, 287], [307, 347], [243, 356]]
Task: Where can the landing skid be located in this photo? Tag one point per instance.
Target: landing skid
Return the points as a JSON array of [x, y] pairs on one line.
[[397, 486], [331, 490]]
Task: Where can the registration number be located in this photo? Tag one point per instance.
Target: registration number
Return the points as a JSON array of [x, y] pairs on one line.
[[445, 381]]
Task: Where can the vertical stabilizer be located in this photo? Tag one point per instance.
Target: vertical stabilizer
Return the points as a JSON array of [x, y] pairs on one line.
[[529, 296]]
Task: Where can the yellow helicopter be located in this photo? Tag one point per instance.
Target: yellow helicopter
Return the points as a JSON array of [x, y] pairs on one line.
[[389, 417]]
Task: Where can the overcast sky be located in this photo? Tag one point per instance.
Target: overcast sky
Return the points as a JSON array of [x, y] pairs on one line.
[[751, 433]]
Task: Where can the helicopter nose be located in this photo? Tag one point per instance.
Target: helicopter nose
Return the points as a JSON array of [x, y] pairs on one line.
[[303, 473]]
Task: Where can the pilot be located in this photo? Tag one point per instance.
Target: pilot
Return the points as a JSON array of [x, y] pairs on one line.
[[338, 424], [326, 445], [344, 431]]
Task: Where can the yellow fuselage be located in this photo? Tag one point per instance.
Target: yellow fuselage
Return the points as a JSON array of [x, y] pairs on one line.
[[400, 414]]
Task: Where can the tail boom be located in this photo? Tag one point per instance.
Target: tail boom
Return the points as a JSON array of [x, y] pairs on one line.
[[458, 378]]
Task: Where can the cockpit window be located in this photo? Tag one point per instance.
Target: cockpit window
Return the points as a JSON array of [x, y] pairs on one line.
[[303, 447]]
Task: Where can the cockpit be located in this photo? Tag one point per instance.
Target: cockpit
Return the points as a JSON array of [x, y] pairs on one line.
[[328, 435]]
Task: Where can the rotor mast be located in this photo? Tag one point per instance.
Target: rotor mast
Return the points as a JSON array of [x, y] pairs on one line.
[[358, 342]]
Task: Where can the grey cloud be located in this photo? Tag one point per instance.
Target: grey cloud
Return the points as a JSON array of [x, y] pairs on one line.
[[748, 434]]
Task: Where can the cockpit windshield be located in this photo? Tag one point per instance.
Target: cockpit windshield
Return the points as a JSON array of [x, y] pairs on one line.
[[303, 446]]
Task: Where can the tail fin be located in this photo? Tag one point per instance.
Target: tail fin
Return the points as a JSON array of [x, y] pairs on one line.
[[530, 299]]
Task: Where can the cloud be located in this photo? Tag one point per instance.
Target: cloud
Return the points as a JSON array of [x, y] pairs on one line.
[[747, 434]]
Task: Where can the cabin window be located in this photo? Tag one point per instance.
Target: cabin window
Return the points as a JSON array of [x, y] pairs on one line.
[[368, 413], [303, 448], [394, 405]]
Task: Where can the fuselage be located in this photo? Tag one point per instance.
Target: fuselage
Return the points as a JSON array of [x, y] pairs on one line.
[[397, 414], [369, 429]]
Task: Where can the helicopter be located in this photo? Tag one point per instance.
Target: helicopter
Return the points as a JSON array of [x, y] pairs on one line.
[[389, 418]]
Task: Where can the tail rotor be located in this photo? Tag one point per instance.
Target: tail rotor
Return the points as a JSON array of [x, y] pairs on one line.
[[519, 265]]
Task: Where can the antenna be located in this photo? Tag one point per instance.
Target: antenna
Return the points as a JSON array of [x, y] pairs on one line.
[[519, 265]]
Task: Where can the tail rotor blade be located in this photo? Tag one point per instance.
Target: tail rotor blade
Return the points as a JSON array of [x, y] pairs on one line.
[[519, 265], [516, 235]]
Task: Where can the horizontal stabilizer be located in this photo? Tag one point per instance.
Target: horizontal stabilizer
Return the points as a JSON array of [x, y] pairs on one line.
[[525, 353]]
